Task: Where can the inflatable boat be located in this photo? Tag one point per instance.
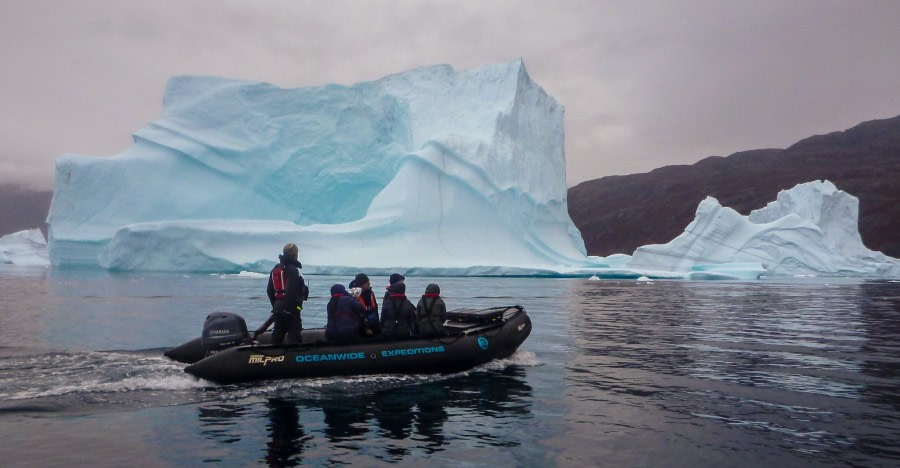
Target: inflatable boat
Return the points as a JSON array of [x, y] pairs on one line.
[[225, 353]]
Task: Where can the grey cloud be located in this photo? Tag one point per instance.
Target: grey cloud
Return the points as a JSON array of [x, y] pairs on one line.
[[644, 83]]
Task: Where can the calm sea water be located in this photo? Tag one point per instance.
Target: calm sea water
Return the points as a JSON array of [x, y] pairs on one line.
[[615, 373]]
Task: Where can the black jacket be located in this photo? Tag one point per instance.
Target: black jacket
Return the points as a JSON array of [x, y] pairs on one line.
[[295, 292], [398, 316], [431, 312]]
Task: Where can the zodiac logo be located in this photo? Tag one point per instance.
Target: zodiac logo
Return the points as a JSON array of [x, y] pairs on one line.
[[260, 359]]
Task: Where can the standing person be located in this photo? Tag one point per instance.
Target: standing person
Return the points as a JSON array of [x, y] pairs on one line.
[[286, 290], [345, 316], [431, 312], [395, 278], [398, 315], [366, 297]]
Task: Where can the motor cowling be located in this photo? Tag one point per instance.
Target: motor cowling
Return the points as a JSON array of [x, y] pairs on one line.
[[223, 330]]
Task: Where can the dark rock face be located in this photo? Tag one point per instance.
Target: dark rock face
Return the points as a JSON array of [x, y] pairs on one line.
[[22, 208], [617, 214]]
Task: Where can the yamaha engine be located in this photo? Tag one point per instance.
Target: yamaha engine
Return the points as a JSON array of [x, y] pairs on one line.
[[223, 330]]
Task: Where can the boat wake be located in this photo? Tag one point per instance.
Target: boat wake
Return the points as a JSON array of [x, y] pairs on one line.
[[78, 380], [521, 358]]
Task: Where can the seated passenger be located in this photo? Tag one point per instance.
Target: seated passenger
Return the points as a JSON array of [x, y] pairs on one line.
[[345, 316], [398, 315], [431, 312], [366, 297], [394, 279]]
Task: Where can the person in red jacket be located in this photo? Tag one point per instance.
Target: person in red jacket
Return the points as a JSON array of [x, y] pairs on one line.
[[286, 290]]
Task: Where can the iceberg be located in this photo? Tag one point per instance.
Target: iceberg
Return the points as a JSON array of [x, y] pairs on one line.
[[24, 248], [809, 230], [431, 171]]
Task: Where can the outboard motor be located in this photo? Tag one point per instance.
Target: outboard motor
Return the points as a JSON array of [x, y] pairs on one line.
[[223, 330]]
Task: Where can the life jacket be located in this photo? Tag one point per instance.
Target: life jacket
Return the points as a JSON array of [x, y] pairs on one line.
[[278, 281], [428, 308], [428, 323], [401, 321], [362, 300]]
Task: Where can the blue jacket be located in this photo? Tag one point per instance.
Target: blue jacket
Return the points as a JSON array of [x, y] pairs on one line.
[[345, 315]]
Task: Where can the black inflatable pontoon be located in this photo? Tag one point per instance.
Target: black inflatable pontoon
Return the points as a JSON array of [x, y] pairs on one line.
[[474, 337]]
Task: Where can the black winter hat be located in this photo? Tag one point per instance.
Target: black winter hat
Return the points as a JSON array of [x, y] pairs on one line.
[[338, 289], [360, 280], [398, 288], [432, 289], [396, 277]]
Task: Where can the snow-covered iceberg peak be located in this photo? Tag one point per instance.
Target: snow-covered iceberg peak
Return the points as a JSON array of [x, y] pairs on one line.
[[432, 169], [810, 229]]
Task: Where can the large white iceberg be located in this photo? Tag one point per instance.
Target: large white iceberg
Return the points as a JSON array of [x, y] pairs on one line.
[[810, 230], [431, 170], [24, 248]]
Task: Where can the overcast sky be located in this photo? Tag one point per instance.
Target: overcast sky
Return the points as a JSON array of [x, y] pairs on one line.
[[645, 83]]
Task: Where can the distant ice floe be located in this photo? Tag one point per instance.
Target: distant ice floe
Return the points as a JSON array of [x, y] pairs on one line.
[[24, 248], [246, 274]]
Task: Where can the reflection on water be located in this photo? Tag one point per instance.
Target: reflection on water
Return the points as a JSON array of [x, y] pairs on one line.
[[794, 364], [218, 419], [615, 373], [409, 420], [286, 436], [880, 315]]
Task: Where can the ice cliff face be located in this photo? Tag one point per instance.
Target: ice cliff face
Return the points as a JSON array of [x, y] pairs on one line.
[[24, 248], [810, 229], [431, 170]]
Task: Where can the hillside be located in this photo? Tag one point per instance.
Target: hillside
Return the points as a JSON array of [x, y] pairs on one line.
[[22, 208], [617, 214]]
